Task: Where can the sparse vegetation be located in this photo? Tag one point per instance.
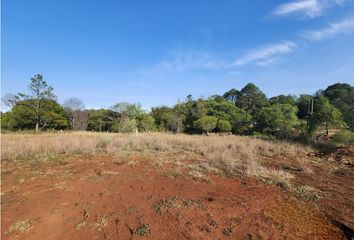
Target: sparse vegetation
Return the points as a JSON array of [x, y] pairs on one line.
[[20, 226]]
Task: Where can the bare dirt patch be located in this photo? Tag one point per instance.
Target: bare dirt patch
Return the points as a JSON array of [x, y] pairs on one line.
[[148, 196]]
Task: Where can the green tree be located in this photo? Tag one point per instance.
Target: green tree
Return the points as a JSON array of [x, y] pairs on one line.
[[145, 122], [283, 99], [303, 103], [52, 115], [101, 120], [223, 126], [40, 91], [128, 125], [325, 114], [161, 115], [278, 120], [226, 110], [39, 94], [206, 123], [341, 95], [194, 110], [251, 99], [132, 110], [231, 95]]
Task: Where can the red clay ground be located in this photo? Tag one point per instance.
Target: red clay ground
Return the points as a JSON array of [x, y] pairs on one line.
[[136, 196]]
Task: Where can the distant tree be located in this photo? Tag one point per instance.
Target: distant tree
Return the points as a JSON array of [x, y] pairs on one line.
[[130, 110], [101, 120], [223, 126], [303, 104], [341, 95], [128, 125], [40, 92], [52, 115], [251, 99], [74, 104], [231, 95], [325, 114], [216, 98], [283, 99], [194, 110], [278, 120], [7, 121], [145, 122], [127, 111], [75, 110], [10, 100], [206, 123], [239, 119], [161, 116]]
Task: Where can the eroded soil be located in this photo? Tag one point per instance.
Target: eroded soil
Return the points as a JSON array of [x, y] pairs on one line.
[[150, 197]]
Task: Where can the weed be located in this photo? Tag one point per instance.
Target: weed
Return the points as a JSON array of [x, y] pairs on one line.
[[130, 210], [20, 226], [161, 205], [80, 225], [307, 193], [142, 230], [227, 231]]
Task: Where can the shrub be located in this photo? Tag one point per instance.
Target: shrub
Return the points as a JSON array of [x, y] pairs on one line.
[[343, 138], [223, 126]]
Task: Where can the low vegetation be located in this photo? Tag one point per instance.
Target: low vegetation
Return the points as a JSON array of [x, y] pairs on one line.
[[231, 154], [243, 112]]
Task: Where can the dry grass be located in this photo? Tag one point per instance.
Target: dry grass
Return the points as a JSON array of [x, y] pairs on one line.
[[231, 154]]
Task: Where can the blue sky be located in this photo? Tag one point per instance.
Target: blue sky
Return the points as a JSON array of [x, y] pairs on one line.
[[157, 52]]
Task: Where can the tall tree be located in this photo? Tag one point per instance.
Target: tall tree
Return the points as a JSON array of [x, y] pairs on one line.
[[283, 99], [325, 114], [40, 91], [75, 110], [251, 99], [341, 95], [278, 120], [206, 124], [304, 105], [231, 95]]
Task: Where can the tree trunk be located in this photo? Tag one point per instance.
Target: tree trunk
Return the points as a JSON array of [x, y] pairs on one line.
[[37, 126], [327, 128]]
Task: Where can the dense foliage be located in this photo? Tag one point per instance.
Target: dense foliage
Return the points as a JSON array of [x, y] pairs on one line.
[[245, 111]]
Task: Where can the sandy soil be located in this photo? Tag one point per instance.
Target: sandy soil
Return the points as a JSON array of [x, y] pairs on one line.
[[139, 196]]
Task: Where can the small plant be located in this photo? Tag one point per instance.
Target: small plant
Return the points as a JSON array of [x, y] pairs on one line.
[[20, 226], [142, 230], [227, 231], [307, 193], [130, 210], [162, 204], [80, 225]]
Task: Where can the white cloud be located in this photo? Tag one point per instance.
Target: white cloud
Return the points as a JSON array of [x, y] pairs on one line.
[[306, 8], [266, 55], [184, 60], [344, 26]]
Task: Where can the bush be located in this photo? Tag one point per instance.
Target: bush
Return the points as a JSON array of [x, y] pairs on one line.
[[206, 123], [343, 138], [223, 126]]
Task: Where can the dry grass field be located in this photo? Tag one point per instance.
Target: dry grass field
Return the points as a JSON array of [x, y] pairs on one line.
[[170, 186]]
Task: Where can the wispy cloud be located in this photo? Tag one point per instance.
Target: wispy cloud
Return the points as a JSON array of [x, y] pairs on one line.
[[184, 60], [344, 26], [306, 8], [266, 55]]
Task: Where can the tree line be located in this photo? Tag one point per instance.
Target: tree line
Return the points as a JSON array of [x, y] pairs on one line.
[[247, 111]]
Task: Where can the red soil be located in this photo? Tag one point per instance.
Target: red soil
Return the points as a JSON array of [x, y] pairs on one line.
[[98, 198]]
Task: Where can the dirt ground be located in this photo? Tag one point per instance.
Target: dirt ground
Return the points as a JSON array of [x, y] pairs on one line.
[[148, 196]]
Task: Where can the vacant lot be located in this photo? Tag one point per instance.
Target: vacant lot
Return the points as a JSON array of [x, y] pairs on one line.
[[164, 186]]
